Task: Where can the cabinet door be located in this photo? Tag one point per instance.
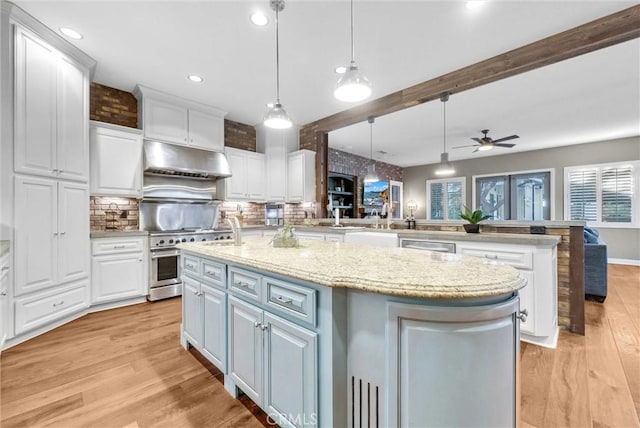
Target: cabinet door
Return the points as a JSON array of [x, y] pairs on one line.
[[214, 339], [276, 165], [255, 176], [35, 101], [206, 131], [295, 174], [165, 121], [73, 227], [236, 185], [73, 122], [116, 277], [290, 372], [116, 163], [4, 298], [192, 311], [36, 234], [527, 301], [245, 348]]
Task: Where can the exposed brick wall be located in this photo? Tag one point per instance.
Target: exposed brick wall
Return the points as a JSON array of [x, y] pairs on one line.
[[112, 105], [113, 213], [239, 136]]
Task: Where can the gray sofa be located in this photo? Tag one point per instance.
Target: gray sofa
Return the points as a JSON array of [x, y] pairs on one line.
[[595, 266]]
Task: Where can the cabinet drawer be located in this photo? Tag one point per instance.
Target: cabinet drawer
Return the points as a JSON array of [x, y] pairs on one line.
[[213, 273], [522, 259], [41, 309], [245, 283], [291, 299], [190, 264], [101, 246]]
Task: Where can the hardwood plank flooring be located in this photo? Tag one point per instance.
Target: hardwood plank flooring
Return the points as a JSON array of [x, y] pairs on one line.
[[125, 368]]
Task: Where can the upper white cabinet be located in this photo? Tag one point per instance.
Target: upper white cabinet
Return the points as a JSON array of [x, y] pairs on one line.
[[276, 144], [52, 111], [176, 120], [301, 176], [247, 180], [116, 160]]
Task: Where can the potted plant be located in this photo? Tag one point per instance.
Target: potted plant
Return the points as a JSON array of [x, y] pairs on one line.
[[473, 218]]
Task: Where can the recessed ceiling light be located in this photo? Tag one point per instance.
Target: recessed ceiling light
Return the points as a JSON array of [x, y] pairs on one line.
[[259, 19], [475, 4], [341, 69], [70, 33], [195, 78]]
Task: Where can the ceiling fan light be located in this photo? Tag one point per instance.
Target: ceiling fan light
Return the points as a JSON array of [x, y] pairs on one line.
[[352, 86], [485, 147], [277, 118], [371, 175]]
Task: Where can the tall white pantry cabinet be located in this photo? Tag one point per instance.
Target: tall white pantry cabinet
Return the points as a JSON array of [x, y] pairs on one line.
[[45, 174]]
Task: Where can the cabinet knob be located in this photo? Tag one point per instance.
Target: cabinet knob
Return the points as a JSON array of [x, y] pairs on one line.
[[4, 268], [264, 327], [139, 260], [63, 233], [55, 233], [55, 170], [523, 315], [61, 302], [256, 324], [3, 293]]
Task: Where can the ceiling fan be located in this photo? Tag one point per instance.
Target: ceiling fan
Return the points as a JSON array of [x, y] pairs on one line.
[[488, 143]]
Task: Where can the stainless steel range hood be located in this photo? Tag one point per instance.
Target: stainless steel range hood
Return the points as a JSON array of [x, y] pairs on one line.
[[179, 161]]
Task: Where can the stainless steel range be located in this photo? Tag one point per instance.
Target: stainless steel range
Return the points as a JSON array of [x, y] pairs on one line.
[[178, 205], [164, 266]]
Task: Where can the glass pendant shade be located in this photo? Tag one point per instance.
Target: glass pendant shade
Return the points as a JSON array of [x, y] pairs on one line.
[[371, 174], [277, 118], [445, 167], [353, 86]]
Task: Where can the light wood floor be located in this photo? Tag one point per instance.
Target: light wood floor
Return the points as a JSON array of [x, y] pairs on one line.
[[125, 368]]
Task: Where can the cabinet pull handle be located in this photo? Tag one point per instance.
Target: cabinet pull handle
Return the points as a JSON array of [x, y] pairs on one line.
[[55, 170], [4, 268], [211, 274], [3, 293], [61, 302], [490, 256], [119, 246], [283, 300], [264, 327], [139, 260], [242, 284], [523, 315], [63, 233]]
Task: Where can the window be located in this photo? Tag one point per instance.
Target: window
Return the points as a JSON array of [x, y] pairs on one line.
[[603, 194], [515, 196], [445, 198]]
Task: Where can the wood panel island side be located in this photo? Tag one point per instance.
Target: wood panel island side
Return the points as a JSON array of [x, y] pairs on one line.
[[332, 334]]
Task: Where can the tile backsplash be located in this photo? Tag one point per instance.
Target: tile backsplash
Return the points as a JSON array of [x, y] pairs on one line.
[[108, 213]]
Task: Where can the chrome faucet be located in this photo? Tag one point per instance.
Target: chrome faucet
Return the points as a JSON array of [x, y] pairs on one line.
[[235, 229]]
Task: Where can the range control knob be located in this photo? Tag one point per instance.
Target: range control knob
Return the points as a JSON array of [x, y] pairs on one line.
[[170, 241], [161, 242], [192, 239], [203, 239], [184, 239], [228, 236]]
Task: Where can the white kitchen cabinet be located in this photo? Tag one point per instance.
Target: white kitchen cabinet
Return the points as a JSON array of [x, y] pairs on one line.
[[176, 120], [276, 144], [192, 311], [116, 160], [51, 236], [52, 111], [247, 182], [273, 361], [214, 325], [5, 266], [537, 264], [301, 176], [119, 269]]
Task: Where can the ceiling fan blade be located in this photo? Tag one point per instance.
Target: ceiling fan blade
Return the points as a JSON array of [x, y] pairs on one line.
[[511, 137], [477, 140], [476, 150], [504, 145], [460, 147]]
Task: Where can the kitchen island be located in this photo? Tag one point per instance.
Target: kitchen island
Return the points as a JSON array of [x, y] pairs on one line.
[[332, 334]]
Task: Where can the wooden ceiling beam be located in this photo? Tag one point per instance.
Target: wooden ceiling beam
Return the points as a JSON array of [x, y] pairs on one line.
[[607, 31]]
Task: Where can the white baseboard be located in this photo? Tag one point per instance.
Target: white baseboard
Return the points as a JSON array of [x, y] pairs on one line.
[[630, 262], [545, 341]]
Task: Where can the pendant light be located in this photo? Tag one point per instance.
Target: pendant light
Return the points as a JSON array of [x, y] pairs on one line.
[[371, 169], [277, 117], [445, 167], [352, 86]]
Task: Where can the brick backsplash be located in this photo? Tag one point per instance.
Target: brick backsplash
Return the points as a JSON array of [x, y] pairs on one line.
[[253, 214], [106, 213], [113, 105], [239, 136]]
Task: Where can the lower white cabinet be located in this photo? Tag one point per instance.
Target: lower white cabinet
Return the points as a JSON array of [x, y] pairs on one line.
[[273, 361], [118, 269], [4, 298], [192, 311]]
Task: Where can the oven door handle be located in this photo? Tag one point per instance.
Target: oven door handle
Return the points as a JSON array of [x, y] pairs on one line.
[[163, 254]]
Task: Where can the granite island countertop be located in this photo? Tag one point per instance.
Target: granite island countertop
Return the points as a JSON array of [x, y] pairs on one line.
[[393, 271]]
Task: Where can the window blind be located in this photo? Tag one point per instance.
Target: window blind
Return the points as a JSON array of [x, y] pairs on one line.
[[583, 194], [436, 195], [617, 193]]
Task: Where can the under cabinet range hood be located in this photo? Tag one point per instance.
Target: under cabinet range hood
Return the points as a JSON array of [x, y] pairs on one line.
[[180, 161]]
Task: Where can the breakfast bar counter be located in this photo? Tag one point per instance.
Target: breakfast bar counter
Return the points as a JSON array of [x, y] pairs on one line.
[[334, 334]]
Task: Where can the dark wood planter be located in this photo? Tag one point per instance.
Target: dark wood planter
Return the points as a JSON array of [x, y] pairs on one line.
[[471, 228]]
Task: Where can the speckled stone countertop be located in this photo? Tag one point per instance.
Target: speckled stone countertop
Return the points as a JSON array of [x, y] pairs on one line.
[[117, 233], [393, 271], [4, 247]]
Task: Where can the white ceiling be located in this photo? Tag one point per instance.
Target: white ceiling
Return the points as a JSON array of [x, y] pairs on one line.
[[398, 44]]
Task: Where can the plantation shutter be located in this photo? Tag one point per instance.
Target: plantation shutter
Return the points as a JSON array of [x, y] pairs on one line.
[[583, 194], [617, 192], [436, 196], [454, 200]]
